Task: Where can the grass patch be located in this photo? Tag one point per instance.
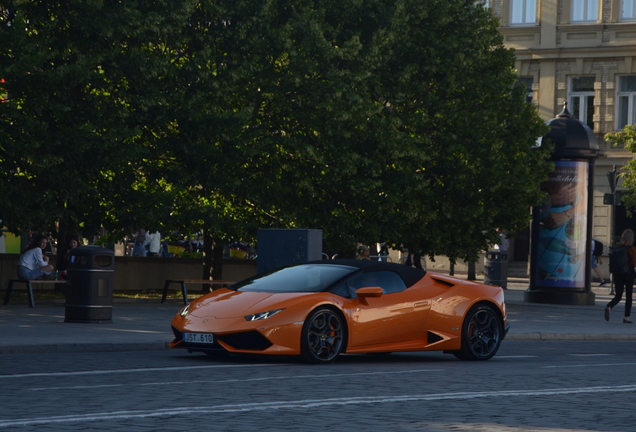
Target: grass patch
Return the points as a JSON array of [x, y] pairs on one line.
[[153, 294], [17, 295]]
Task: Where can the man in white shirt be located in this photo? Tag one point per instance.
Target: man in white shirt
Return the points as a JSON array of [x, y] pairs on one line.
[[503, 243], [153, 240]]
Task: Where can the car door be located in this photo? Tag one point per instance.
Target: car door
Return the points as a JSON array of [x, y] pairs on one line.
[[398, 315]]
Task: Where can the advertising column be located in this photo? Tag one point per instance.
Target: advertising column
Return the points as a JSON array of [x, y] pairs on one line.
[[561, 230], [563, 224]]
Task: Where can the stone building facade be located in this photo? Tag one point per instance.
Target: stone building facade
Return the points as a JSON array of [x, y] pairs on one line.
[[582, 52]]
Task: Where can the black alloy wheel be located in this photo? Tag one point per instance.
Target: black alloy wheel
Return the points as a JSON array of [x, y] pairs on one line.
[[323, 336], [482, 333]]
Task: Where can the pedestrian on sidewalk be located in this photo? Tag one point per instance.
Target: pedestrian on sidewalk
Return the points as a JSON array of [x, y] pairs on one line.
[[503, 243], [414, 260], [63, 264], [364, 253], [597, 259], [622, 263], [140, 243], [153, 239]]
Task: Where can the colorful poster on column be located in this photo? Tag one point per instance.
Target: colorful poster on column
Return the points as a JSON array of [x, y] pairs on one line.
[[563, 227]]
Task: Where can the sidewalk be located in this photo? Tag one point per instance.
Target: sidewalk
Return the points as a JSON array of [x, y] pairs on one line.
[[534, 321], [145, 324], [137, 325]]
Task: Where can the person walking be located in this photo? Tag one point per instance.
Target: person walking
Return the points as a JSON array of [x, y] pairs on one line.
[[596, 260], [622, 262], [414, 260]]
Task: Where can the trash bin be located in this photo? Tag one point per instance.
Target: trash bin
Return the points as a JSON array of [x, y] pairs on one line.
[[496, 268], [89, 293]]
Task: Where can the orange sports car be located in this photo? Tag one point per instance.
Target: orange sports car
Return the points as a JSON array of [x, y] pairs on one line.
[[322, 309]]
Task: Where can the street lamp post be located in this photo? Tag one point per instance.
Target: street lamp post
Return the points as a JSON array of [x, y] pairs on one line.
[[612, 200]]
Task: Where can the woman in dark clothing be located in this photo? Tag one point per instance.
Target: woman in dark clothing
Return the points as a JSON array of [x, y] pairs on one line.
[[62, 265], [414, 260], [624, 280]]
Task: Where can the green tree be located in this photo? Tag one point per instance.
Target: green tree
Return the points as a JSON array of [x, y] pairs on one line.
[[383, 120], [376, 120], [627, 139], [83, 94]]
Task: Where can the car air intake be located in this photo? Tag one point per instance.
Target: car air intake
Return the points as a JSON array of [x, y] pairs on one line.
[[432, 338], [251, 340], [443, 282]]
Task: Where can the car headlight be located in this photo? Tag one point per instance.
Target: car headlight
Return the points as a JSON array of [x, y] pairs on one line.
[[262, 315], [185, 310]]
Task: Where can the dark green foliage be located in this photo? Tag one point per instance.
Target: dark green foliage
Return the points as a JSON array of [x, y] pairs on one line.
[[83, 80], [381, 120], [627, 139]]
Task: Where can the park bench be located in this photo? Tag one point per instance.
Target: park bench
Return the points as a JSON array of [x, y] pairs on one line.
[[29, 284], [184, 282]]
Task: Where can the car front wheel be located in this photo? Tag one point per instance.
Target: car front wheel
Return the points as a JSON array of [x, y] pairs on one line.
[[323, 336], [482, 333]]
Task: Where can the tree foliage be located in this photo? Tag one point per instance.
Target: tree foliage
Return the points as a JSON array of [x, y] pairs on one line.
[[627, 139], [382, 120], [83, 100]]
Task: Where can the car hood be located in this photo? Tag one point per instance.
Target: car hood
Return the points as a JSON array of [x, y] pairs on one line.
[[226, 303]]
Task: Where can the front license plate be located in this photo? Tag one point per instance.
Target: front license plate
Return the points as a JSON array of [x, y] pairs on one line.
[[204, 338]]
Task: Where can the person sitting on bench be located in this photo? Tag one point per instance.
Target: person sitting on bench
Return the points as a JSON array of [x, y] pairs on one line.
[[73, 241], [33, 264]]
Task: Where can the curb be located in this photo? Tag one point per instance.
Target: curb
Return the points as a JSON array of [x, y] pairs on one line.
[[158, 346], [569, 337]]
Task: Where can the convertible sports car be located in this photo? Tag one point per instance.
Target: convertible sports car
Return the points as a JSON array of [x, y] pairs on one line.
[[322, 309]]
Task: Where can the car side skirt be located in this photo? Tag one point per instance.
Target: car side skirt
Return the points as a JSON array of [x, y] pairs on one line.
[[437, 342]]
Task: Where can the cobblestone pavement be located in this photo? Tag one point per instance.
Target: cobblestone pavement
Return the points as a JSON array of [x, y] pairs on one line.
[[561, 368], [529, 386]]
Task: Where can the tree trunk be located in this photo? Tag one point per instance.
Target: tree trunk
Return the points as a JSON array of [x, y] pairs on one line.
[[217, 262], [207, 254], [66, 228], [471, 271], [213, 257]]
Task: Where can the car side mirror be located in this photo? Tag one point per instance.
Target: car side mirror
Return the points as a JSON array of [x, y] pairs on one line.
[[363, 293]]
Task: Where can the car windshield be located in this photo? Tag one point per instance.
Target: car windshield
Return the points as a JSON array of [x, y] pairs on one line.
[[301, 278]]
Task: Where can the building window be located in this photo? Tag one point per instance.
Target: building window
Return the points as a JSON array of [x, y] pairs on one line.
[[584, 10], [581, 100], [523, 12], [628, 10], [526, 82], [626, 96]]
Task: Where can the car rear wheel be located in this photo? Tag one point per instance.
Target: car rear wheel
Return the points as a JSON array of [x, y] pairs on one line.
[[323, 336], [482, 334]]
